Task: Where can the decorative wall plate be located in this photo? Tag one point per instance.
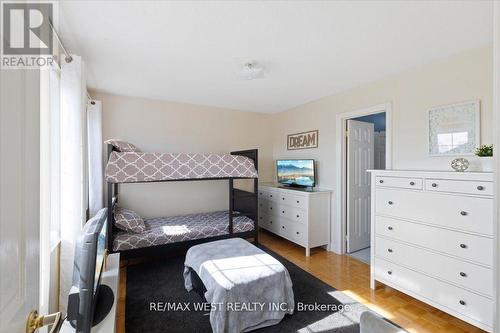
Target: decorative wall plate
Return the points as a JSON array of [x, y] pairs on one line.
[[460, 164]]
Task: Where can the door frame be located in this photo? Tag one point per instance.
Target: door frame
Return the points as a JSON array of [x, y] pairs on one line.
[[340, 216]]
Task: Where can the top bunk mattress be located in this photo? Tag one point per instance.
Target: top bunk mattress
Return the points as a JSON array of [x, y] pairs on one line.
[[134, 167]]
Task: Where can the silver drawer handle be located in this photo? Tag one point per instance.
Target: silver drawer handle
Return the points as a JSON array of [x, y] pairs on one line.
[[462, 302], [389, 227], [462, 274], [389, 250], [480, 188], [412, 183], [463, 246], [434, 185], [463, 213]]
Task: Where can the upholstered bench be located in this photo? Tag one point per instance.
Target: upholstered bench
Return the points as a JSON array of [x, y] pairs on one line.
[[248, 288]]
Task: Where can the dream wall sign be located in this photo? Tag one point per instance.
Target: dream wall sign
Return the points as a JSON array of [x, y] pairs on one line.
[[303, 140]]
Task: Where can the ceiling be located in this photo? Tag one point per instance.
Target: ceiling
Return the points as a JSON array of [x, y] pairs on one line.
[[191, 51]]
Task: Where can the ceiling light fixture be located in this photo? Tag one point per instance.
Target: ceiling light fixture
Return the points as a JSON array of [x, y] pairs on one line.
[[251, 71]]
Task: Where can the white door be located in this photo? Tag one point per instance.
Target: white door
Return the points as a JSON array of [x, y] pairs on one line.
[[360, 157], [19, 197], [379, 150]]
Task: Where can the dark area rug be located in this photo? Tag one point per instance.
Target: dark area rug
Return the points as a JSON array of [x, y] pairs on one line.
[[162, 281]]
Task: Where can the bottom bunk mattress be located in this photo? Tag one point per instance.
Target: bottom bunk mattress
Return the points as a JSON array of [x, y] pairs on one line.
[[174, 229]]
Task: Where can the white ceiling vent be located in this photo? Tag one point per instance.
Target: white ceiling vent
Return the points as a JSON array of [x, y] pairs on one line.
[[251, 71]]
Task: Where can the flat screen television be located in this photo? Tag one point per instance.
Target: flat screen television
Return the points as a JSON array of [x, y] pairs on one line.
[[88, 300], [297, 173]]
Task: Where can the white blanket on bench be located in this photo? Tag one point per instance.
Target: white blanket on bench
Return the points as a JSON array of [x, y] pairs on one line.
[[247, 288]]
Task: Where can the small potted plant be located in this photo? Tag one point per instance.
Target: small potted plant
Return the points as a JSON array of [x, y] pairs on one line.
[[485, 154]]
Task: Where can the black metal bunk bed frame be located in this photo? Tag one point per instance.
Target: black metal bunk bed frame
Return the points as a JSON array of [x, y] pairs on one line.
[[244, 202]]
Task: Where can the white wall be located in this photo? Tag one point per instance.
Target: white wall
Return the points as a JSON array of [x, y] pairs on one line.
[[174, 127], [462, 77]]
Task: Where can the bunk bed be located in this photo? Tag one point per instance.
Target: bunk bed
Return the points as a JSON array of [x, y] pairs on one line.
[[165, 234]]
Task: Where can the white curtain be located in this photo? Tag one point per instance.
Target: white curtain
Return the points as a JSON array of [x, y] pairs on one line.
[[95, 157], [73, 167]]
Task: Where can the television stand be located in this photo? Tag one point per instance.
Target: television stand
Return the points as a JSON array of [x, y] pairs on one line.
[[104, 303], [110, 279]]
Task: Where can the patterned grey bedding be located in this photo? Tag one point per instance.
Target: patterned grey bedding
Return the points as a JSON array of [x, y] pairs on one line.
[[165, 230], [130, 167]]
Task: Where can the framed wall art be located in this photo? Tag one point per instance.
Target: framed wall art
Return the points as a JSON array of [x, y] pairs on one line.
[[303, 140], [454, 129]]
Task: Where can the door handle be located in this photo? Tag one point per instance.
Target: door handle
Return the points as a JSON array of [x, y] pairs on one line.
[[35, 321]]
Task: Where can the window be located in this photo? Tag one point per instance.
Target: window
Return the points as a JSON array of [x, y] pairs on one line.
[[447, 142]]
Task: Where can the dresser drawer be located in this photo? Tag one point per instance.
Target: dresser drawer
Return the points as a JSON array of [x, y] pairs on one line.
[[298, 233], [293, 200], [465, 274], [462, 245], [293, 214], [272, 208], [268, 222], [466, 303], [457, 212], [399, 182], [459, 186], [263, 221], [263, 205], [273, 195]]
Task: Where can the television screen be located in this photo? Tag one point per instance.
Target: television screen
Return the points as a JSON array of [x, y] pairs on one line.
[[100, 253], [296, 172]]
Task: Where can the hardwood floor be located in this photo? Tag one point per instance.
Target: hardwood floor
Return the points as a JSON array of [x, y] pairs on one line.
[[352, 277]]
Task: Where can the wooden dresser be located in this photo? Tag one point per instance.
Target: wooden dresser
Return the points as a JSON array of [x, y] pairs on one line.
[[432, 238], [300, 216]]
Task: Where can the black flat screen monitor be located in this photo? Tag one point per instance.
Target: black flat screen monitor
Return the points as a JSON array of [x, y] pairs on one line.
[[298, 173]]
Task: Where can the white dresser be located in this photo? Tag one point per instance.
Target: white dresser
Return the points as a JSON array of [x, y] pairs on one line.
[[432, 238], [300, 216]]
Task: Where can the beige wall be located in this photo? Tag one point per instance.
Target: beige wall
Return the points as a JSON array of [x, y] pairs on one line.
[[173, 127], [462, 77]]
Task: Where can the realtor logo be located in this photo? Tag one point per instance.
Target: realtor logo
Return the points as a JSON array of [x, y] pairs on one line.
[[27, 40]]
